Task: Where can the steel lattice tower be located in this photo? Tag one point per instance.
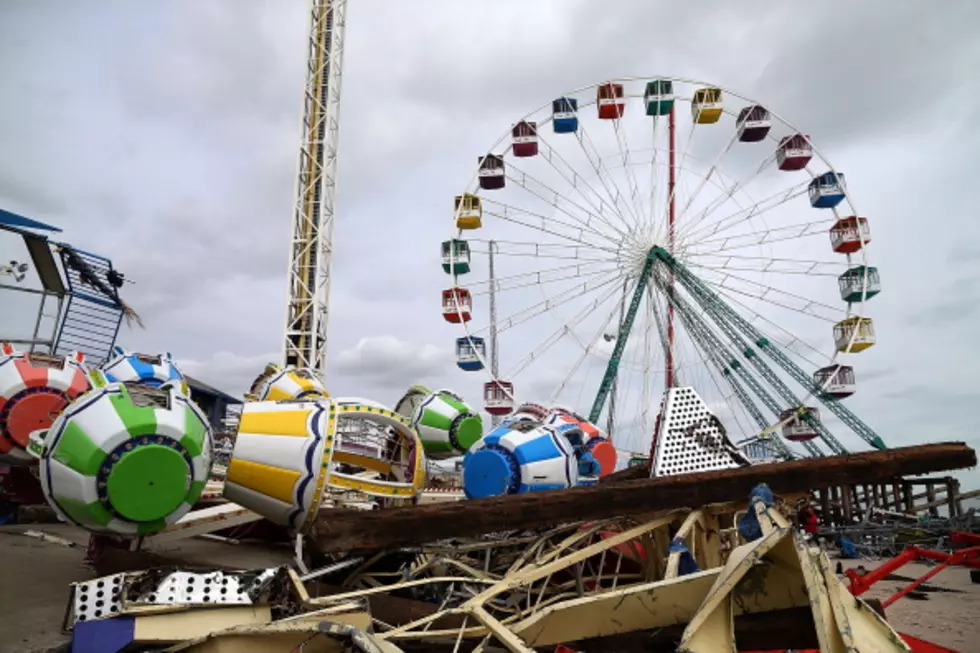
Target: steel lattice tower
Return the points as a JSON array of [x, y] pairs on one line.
[[311, 245]]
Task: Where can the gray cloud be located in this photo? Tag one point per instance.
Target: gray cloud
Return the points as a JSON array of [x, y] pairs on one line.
[[392, 363], [166, 138]]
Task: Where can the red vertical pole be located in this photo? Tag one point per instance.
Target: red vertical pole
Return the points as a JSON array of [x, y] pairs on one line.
[[671, 180]]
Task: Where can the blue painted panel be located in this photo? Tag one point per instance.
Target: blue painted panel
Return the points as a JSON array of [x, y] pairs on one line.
[[542, 448], [103, 636]]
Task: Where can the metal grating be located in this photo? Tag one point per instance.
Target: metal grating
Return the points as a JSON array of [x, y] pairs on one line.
[[94, 312], [690, 438]]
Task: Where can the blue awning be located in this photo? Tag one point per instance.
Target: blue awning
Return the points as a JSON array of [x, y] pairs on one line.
[[8, 219]]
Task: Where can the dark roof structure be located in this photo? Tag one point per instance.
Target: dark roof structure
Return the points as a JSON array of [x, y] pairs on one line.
[[204, 388]]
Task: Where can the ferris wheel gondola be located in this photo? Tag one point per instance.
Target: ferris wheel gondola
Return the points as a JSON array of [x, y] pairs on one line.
[[639, 249]]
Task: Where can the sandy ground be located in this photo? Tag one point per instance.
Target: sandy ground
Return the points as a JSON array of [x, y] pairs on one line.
[[950, 619], [36, 575]]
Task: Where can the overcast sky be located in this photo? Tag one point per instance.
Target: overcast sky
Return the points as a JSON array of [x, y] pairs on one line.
[[164, 135]]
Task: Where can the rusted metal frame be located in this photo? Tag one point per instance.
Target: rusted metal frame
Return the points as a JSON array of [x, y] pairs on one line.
[[619, 565], [332, 598], [459, 638], [574, 539], [503, 634], [476, 573], [525, 576], [529, 575]]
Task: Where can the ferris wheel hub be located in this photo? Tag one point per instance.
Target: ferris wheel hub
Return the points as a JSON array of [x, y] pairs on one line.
[[634, 252]]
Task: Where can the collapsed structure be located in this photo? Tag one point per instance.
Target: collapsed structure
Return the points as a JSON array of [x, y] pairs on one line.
[[632, 569]]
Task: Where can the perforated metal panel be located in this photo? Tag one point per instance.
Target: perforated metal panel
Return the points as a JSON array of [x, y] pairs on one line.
[[102, 598], [690, 438], [188, 588], [98, 599]]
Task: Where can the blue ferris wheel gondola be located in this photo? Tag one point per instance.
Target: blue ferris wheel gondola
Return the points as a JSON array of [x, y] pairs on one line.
[[827, 190], [564, 115], [470, 352]]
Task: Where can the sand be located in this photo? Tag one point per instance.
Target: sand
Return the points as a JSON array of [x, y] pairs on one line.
[[950, 619], [34, 589]]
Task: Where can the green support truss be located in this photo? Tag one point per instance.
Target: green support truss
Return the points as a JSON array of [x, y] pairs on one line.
[[612, 369], [734, 327], [727, 318], [733, 370]]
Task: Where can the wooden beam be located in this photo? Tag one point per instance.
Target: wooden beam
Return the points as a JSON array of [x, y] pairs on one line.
[[344, 530]]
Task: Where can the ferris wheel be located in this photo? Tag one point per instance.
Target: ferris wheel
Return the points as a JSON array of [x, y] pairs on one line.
[[646, 233]]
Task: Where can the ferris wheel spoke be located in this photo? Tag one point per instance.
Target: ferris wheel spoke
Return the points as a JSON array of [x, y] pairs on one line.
[[566, 329], [833, 312], [789, 339], [624, 155], [552, 197], [607, 180], [741, 216], [782, 300], [653, 189], [537, 280], [507, 216], [653, 319], [776, 265], [544, 306], [540, 277], [536, 251], [587, 350], [762, 237], [658, 321], [704, 179], [577, 182], [729, 192]]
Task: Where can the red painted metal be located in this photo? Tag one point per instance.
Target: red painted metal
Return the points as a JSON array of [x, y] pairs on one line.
[[861, 583], [922, 646], [962, 538]]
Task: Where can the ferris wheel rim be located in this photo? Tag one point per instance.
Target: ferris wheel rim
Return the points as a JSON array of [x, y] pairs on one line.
[[852, 309]]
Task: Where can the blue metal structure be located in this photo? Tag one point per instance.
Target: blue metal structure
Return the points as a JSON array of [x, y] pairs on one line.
[[17, 222]]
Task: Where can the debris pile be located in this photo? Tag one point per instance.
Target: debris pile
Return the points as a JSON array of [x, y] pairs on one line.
[[617, 566]]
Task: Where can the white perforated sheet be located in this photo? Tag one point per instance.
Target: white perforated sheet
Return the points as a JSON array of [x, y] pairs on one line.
[[98, 599], [195, 589], [102, 598], [690, 438]]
